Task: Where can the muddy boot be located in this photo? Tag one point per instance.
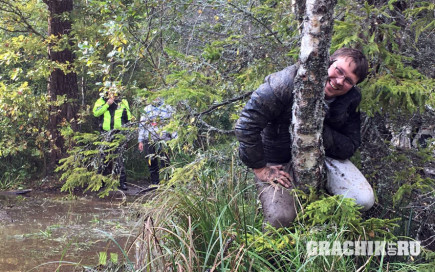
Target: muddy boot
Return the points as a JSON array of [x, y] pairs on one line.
[[123, 186], [122, 175], [154, 171], [155, 179], [122, 181]]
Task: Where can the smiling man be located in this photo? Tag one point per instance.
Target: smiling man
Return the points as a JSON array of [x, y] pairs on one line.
[[265, 140]]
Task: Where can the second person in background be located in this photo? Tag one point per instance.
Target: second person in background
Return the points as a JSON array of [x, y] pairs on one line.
[[154, 117]]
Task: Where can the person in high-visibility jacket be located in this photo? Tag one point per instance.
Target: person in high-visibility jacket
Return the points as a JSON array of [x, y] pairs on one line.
[[114, 113]]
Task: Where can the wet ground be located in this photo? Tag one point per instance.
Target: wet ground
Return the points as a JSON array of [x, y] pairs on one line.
[[42, 231]]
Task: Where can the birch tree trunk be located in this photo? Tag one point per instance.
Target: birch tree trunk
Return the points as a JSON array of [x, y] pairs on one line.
[[308, 113]]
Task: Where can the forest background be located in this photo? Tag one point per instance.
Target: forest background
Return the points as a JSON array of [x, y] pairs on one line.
[[204, 58]]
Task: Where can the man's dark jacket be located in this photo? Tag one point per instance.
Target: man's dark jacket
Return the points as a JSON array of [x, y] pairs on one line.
[[263, 126]]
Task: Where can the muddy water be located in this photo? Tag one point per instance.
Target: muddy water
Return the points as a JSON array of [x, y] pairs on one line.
[[45, 232]]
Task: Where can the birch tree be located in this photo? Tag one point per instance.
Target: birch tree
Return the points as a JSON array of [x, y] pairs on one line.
[[308, 114]]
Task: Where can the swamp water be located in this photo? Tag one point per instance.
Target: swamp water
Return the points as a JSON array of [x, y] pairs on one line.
[[46, 232]]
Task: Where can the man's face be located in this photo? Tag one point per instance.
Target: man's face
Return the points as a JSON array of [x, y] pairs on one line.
[[340, 77]]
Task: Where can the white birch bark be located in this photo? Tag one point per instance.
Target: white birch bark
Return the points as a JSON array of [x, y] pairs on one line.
[[308, 113]]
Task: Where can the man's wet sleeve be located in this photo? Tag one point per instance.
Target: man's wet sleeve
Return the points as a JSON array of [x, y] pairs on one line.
[[260, 109]]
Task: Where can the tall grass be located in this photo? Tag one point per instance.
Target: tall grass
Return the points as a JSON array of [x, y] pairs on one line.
[[208, 218], [202, 214]]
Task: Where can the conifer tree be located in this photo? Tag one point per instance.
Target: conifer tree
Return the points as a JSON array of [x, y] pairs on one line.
[[62, 82]]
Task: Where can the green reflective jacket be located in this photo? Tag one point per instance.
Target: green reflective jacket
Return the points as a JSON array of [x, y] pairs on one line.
[[113, 116]]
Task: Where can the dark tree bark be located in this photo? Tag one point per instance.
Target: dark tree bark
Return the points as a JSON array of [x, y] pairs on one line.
[[299, 10], [61, 83], [308, 114]]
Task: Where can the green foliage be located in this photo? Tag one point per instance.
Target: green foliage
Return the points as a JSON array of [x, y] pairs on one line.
[[82, 168], [408, 182], [379, 228], [423, 16], [212, 52], [336, 210], [196, 55], [23, 116], [160, 49], [102, 258], [263, 242], [343, 214], [24, 139], [207, 210], [393, 83], [392, 92], [23, 54], [13, 177], [410, 178], [208, 218], [20, 16]]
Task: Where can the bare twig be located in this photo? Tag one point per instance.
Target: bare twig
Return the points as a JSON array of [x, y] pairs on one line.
[[147, 45], [202, 122], [364, 265], [257, 20], [214, 129], [23, 20], [216, 106], [413, 219]]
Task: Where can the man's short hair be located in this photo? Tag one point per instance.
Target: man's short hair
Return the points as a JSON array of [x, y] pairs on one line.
[[361, 64]]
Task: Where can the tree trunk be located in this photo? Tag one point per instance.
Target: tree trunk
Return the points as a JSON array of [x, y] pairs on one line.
[[308, 113], [299, 10], [61, 83]]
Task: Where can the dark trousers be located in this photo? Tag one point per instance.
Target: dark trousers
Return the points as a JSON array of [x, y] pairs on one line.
[[156, 159], [116, 167]]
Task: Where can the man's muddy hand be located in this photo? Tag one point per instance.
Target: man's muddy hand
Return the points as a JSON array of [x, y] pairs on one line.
[[274, 174]]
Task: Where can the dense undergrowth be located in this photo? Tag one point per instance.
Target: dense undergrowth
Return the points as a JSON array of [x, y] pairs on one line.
[[204, 58], [207, 218]]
